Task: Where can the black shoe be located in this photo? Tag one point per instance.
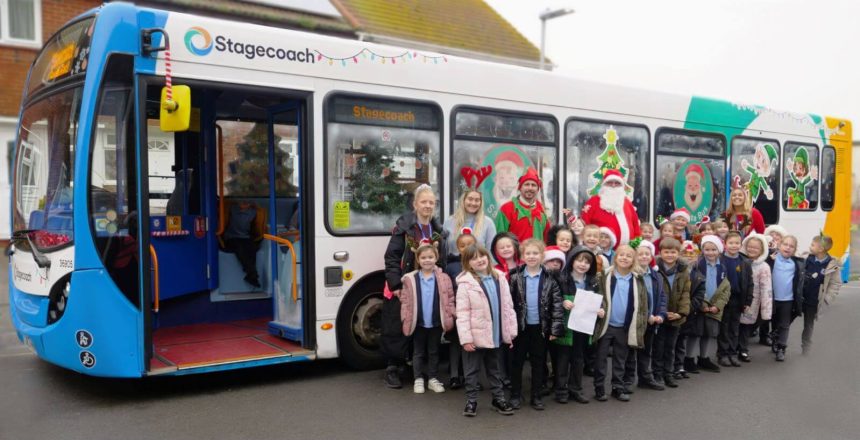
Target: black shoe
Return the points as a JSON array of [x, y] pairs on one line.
[[651, 384], [724, 361], [628, 389], [578, 397], [690, 365], [600, 396], [502, 407], [682, 374], [562, 398], [619, 394], [670, 381], [734, 361], [456, 383], [774, 348], [516, 402], [744, 356], [537, 403], [471, 409], [780, 355], [392, 378], [708, 365]]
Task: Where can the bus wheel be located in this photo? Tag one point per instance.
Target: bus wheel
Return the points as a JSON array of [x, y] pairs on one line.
[[359, 329]]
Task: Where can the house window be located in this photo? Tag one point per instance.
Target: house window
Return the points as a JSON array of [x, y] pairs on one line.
[[21, 22]]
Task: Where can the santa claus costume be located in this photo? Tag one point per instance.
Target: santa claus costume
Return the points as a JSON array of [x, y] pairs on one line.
[[612, 209], [524, 221]]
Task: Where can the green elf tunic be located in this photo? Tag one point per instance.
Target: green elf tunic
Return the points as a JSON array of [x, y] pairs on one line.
[[523, 221]]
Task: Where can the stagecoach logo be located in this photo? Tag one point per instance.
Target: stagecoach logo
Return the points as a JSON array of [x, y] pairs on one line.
[[194, 36], [21, 276], [200, 42]]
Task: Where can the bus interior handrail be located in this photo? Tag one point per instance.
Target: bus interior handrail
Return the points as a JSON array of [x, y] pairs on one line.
[[154, 256], [221, 223], [285, 242]]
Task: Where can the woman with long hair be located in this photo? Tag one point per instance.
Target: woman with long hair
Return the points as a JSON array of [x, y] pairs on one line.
[[469, 218], [741, 216]]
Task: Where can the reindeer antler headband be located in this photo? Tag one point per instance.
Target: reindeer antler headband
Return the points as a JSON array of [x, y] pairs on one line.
[[478, 175]]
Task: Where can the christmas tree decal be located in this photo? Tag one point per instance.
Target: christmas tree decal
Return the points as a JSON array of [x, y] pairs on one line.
[[250, 172], [609, 159], [374, 183]]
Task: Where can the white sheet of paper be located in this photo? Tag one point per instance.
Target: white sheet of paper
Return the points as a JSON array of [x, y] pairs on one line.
[[584, 314]]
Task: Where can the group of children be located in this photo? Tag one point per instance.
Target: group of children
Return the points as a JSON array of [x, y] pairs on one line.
[[689, 301]]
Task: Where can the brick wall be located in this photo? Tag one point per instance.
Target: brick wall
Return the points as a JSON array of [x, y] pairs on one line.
[[15, 61]]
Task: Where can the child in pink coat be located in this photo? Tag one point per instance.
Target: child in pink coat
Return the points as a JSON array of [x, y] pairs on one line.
[[755, 248], [426, 310], [486, 324]]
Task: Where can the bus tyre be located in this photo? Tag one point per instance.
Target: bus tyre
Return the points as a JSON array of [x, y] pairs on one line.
[[359, 329]]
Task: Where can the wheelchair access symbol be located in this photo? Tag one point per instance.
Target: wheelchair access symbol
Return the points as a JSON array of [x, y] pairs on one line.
[[84, 339], [88, 360]]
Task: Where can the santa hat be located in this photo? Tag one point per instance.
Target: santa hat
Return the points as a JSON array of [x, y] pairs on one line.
[[611, 175], [775, 228], [649, 245], [611, 234], [572, 218], [465, 230], [681, 212], [531, 174], [695, 169], [510, 156], [554, 253], [715, 240], [689, 246]]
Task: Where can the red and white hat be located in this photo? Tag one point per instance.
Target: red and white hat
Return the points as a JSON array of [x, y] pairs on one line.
[[647, 244], [695, 169], [613, 175], [554, 253], [715, 240], [689, 246], [531, 174], [680, 212], [611, 234]]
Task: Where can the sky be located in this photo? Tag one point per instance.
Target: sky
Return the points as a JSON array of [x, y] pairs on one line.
[[795, 55]]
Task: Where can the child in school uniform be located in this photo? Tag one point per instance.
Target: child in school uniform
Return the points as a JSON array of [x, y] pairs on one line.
[[561, 236], [761, 306], [426, 310], [578, 274], [591, 240], [680, 219], [486, 322], [721, 228], [575, 223], [788, 277], [774, 235], [690, 256], [710, 276], [538, 304], [608, 240], [821, 286], [639, 360], [453, 269], [666, 230], [506, 251], [739, 273], [623, 321], [676, 284], [647, 231]]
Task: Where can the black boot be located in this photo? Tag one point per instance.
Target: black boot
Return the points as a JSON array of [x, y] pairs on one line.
[[780, 354], [690, 365], [392, 377], [708, 365]]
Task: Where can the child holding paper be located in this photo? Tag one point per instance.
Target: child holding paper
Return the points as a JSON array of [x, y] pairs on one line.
[[578, 274]]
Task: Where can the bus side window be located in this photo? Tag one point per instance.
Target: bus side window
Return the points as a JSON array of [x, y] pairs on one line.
[[828, 178], [161, 156], [800, 177], [755, 163], [690, 173], [588, 148]]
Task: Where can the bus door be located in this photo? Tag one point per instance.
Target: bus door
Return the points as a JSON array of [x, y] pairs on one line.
[[285, 226]]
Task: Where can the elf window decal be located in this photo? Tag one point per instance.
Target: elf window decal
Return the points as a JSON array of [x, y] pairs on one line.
[[755, 166], [800, 177]]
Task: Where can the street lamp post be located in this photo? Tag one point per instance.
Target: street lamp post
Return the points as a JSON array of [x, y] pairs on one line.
[[544, 16]]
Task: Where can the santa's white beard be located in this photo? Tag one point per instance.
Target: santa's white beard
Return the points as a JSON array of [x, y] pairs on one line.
[[612, 199]]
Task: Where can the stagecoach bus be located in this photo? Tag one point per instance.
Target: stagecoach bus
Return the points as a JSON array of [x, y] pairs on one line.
[[142, 131]]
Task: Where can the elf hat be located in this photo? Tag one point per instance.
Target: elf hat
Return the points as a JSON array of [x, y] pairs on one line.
[[715, 240], [775, 228], [802, 156], [770, 151], [531, 174], [554, 253], [509, 156], [681, 212], [612, 237], [613, 175]]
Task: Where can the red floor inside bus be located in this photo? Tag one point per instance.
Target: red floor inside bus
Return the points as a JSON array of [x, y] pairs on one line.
[[195, 345]]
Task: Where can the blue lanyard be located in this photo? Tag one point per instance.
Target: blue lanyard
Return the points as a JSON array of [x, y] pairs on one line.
[[429, 227]]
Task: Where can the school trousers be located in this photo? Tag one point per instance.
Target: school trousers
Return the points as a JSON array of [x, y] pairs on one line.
[[639, 360], [781, 322], [532, 343], [425, 351], [472, 367], [663, 351], [727, 343], [809, 313], [616, 339], [568, 363]]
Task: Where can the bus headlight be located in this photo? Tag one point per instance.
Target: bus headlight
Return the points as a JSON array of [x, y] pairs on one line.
[[58, 300]]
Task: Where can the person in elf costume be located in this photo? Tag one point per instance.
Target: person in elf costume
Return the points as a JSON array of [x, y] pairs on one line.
[[802, 175], [764, 161], [524, 215]]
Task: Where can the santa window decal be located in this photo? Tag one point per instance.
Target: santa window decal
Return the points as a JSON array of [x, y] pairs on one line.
[[694, 189], [800, 177]]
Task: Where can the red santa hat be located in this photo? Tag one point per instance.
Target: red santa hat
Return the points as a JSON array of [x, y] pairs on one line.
[[510, 156], [613, 175], [554, 253], [650, 246], [695, 169], [611, 234], [681, 212], [714, 240], [531, 174], [689, 246]]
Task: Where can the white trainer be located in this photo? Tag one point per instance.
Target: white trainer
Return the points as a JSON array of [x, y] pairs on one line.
[[435, 386], [418, 388]]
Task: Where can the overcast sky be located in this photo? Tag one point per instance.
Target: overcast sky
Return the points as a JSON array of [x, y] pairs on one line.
[[798, 55]]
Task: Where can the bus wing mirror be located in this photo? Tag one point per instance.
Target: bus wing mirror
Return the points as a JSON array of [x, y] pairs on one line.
[[175, 112]]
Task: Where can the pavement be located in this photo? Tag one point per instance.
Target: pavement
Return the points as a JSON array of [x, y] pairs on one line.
[[815, 396]]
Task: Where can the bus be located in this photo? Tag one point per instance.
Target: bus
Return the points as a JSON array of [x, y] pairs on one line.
[[141, 132]]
